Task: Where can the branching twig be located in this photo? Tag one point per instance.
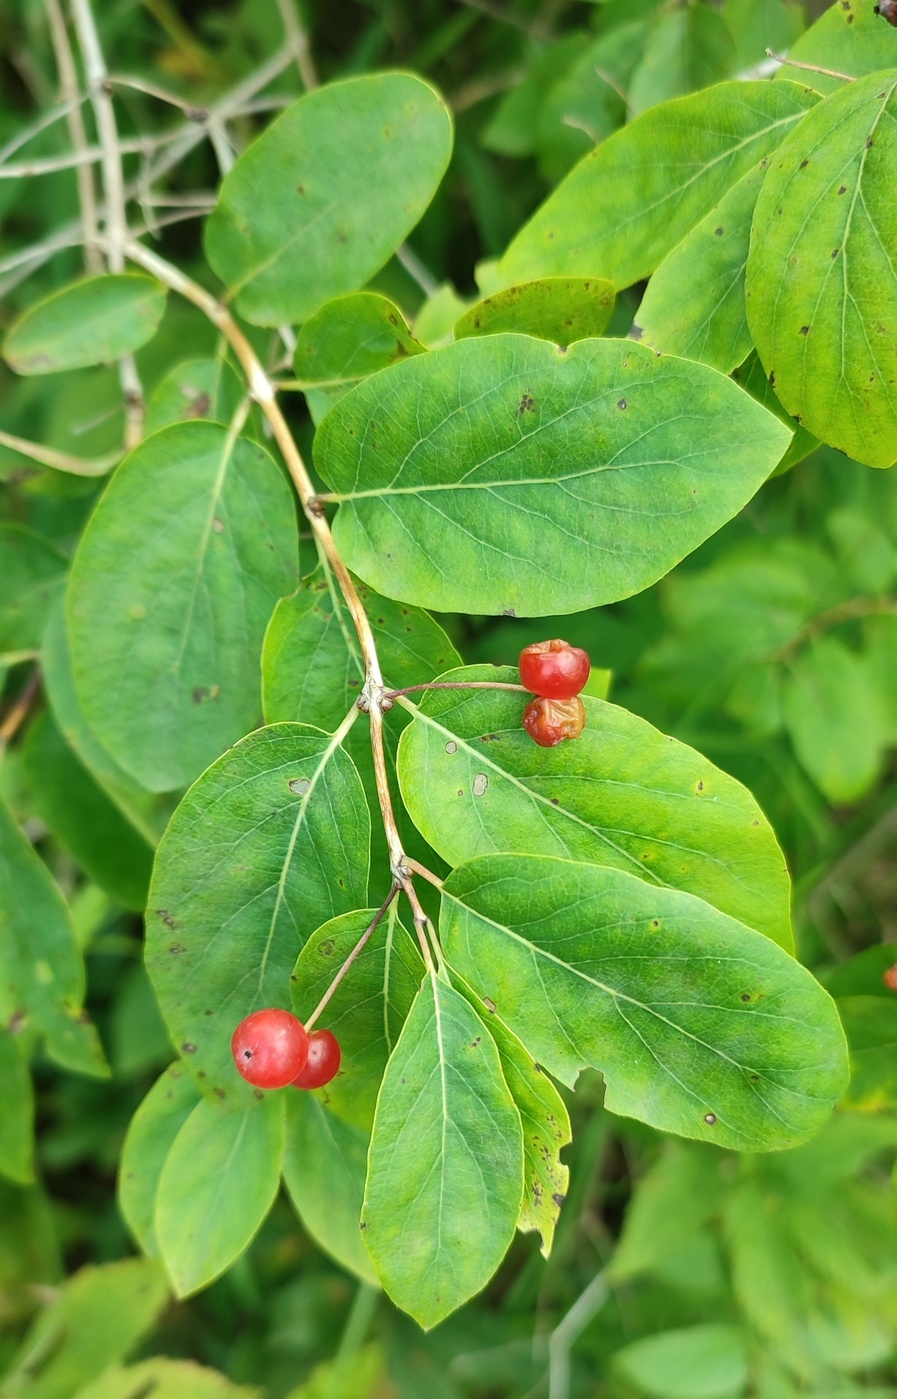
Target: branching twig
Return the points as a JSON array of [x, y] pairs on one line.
[[353, 956], [852, 610], [60, 461], [262, 391], [68, 90], [416, 269], [456, 685], [297, 38], [564, 1335], [18, 711], [809, 67], [114, 187]]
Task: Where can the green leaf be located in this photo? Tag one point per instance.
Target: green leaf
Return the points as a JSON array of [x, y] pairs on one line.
[[324, 1169], [172, 587], [697, 1362], [41, 972], [670, 1208], [826, 335], [311, 663], [31, 573], [687, 49], [369, 1007], [756, 25], [492, 474], [695, 305], [624, 207], [351, 337], [359, 1374], [870, 1023], [83, 818], [321, 200], [545, 1122], [149, 1139], [835, 718], [587, 103], [752, 378], [218, 1183], [271, 842], [849, 37], [700, 1025], [141, 809], [195, 388], [165, 1379], [88, 322], [16, 1112], [98, 1316], [561, 309], [623, 795], [446, 1151], [312, 671]]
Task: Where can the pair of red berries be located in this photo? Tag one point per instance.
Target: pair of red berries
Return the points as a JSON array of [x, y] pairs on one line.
[[272, 1049], [555, 672]]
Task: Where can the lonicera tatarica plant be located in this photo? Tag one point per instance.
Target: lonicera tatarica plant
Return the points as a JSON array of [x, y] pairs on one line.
[[363, 827]]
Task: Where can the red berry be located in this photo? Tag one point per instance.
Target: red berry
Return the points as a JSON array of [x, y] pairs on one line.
[[270, 1047], [550, 721], [554, 669], [323, 1060], [889, 977]]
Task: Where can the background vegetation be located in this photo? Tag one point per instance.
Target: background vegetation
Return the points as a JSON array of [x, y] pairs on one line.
[[679, 1270]]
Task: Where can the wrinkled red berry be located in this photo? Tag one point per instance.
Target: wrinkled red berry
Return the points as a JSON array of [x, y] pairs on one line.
[[270, 1047], [889, 977], [550, 721], [554, 669], [323, 1060]]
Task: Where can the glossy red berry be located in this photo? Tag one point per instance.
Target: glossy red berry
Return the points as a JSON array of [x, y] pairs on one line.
[[323, 1060], [270, 1047], [550, 721], [554, 669]]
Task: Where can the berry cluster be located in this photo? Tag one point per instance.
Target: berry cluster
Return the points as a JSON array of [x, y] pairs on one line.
[[272, 1049], [555, 672]]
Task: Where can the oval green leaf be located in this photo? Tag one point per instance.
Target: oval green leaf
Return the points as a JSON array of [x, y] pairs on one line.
[[86, 821], [269, 844], [827, 333], [545, 1121], [695, 304], [149, 1139], [88, 322], [700, 1026], [627, 204], [41, 971], [351, 337], [16, 1112], [503, 473], [849, 38], [175, 578], [368, 1008], [218, 1183], [31, 573], [322, 199], [623, 795], [445, 1166], [324, 1168], [560, 309], [195, 388]]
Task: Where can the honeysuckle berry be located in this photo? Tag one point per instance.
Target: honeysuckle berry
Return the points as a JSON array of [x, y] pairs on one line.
[[554, 669], [550, 721], [270, 1048], [323, 1060]]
